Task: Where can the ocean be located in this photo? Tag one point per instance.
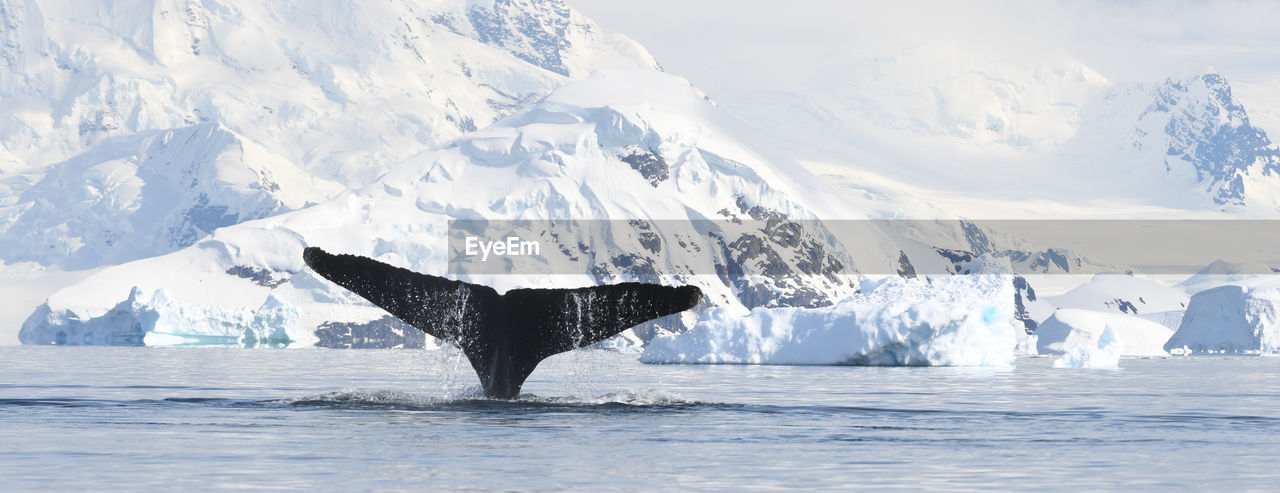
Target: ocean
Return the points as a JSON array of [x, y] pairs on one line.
[[104, 418]]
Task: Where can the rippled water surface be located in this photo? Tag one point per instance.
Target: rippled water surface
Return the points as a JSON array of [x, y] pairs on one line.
[[145, 418]]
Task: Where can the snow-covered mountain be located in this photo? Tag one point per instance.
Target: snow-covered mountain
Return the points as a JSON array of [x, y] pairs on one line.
[[152, 192], [1186, 143], [572, 155], [936, 133], [135, 128], [1205, 132], [931, 132]]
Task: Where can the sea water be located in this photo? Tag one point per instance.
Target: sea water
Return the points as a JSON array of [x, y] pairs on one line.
[[201, 418]]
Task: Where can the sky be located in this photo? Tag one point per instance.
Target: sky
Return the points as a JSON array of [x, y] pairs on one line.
[[726, 46], [724, 42]]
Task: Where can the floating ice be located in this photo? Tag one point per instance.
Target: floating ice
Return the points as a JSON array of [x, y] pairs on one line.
[[161, 321], [1068, 328], [949, 321], [1026, 343], [1102, 354], [1233, 319]]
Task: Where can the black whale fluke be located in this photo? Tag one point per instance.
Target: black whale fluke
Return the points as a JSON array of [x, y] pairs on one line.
[[504, 336]]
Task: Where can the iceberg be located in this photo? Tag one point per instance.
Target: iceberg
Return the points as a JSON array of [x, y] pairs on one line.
[[1102, 353], [1233, 319], [159, 320], [947, 321], [1069, 328], [1026, 344]]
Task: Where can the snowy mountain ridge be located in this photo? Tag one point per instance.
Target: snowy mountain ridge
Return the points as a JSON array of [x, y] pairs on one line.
[[548, 34], [1207, 129], [314, 95], [152, 192]]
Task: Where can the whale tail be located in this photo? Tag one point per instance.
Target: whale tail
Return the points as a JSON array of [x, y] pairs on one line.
[[504, 336]]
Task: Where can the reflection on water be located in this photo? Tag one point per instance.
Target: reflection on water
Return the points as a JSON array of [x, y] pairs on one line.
[[140, 418]]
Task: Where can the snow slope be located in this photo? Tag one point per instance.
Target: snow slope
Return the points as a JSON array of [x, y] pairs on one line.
[[1119, 293], [226, 111], [152, 192], [1222, 273], [569, 156]]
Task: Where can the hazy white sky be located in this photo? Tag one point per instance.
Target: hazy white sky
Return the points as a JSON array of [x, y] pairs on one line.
[[760, 44]]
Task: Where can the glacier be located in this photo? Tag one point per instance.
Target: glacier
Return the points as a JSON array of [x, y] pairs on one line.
[[964, 320]]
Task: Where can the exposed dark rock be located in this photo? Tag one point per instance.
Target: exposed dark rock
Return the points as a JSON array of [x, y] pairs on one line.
[[1125, 306], [465, 124], [754, 250], [905, 269], [629, 266], [1020, 283], [649, 240], [261, 277], [201, 219], [781, 250], [648, 163], [979, 243], [383, 333], [1023, 293], [959, 258], [977, 238], [1051, 256]]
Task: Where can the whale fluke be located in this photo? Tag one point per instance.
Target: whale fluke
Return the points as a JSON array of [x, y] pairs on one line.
[[504, 336]]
